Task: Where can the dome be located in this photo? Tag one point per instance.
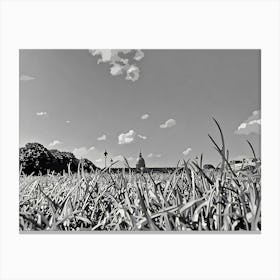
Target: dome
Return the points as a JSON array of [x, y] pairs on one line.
[[140, 163]]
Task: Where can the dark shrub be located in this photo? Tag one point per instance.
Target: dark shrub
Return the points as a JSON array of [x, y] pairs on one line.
[[35, 158], [87, 165], [62, 159]]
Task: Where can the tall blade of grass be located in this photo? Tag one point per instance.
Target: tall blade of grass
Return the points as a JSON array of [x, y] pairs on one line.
[[69, 168], [252, 149], [52, 202], [78, 170], [190, 204], [223, 143], [197, 211], [187, 172], [167, 223], [169, 182], [203, 173], [226, 161], [152, 226], [126, 162], [256, 217]]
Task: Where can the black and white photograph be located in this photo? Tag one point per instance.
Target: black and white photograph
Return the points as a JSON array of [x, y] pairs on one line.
[[140, 140]]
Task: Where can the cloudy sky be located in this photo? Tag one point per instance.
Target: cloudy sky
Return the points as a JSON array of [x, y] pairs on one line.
[[159, 101]]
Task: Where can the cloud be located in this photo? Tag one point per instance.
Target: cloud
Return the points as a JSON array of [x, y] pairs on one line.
[[151, 155], [145, 116], [142, 137], [41, 113], [138, 55], [91, 148], [26, 78], [187, 151], [120, 61], [110, 55], [67, 121], [132, 73], [99, 160], [126, 138], [116, 70], [101, 138], [168, 123], [251, 125], [54, 143], [80, 152], [130, 158]]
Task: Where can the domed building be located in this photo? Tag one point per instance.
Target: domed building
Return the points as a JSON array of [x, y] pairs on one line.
[[140, 163]]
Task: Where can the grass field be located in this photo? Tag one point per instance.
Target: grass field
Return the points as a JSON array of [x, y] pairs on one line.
[[190, 198]]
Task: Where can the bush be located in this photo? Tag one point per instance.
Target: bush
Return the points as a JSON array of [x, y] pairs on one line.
[[62, 159], [35, 158]]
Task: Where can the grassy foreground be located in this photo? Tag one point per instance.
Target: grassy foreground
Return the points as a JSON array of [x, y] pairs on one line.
[[190, 198]]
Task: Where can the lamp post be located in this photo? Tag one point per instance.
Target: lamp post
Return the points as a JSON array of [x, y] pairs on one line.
[[105, 155], [111, 162]]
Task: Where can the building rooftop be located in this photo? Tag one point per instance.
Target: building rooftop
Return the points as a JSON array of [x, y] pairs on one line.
[[140, 163]]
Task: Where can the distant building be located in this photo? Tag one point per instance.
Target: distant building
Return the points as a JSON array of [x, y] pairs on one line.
[[244, 163], [140, 163], [146, 169]]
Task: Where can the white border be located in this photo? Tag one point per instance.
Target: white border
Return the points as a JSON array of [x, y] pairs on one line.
[[158, 24]]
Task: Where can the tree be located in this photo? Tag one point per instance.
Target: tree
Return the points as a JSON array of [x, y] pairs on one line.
[[35, 158]]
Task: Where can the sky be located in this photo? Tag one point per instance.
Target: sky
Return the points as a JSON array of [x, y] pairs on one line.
[[159, 101]]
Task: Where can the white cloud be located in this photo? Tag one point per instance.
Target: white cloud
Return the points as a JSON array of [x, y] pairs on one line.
[[80, 152], [117, 69], [26, 78], [110, 55], [92, 148], [101, 138], [151, 155], [41, 113], [132, 73], [54, 143], [168, 123], [126, 138], [138, 55], [120, 65], [99, 160], [67, 121], [142, 137], [251, 125], [187, 151], [130, 158], [145, 116]]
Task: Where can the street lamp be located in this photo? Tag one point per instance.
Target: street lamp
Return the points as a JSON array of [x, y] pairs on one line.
[[105, 155], [111, 162]]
